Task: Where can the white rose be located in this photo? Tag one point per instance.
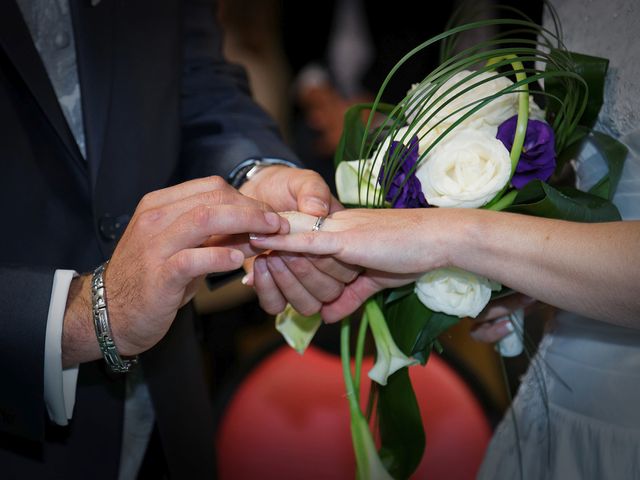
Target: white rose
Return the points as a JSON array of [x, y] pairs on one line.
[[454, 291], [467, 169], [494, 113]]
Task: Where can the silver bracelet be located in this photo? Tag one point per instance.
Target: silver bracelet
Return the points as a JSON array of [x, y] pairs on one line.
[[101, 323]]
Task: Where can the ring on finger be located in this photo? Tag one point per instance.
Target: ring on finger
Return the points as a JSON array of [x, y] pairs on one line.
[[318, 224]]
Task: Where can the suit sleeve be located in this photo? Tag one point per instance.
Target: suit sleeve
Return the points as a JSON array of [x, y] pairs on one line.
[[24, 305], [221, 124]]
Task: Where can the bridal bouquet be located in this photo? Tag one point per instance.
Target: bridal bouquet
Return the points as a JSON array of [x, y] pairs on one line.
[[472, 134]]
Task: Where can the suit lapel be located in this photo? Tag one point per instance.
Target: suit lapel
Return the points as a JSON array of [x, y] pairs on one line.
[[16, 41], [94, 27]]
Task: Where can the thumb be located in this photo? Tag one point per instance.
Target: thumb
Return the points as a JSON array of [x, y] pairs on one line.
[[312, 194], [336, 206], [354, 295]]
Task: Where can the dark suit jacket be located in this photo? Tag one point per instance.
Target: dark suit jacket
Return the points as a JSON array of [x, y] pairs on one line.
[[160, 106]]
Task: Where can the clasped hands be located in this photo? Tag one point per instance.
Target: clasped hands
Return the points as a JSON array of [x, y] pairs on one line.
[[179, 234]]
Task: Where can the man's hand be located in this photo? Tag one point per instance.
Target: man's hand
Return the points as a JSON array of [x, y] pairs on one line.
[[305, 281], [286, 188], [493, 323], [160, 258]]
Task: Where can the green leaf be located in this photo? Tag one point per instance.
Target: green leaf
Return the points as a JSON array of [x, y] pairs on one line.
[[414, 327], [406, 318], [592, 69], [401, 431], [400, 292], [542, 200], [574, 144], [354, 131], [614, 154], [427, 341]]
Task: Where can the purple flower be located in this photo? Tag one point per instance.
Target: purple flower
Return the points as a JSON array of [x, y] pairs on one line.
[[405, 190], [538, 157]]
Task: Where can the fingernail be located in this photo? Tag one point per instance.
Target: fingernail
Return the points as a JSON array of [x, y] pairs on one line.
[[286, 257], [507, 327], [277, 264], [284, 226], [236, 256], [245, 280], [316, 206], [260, 265], [256, 237], [272, 219]]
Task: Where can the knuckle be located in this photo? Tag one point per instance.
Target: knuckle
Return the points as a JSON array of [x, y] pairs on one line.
[[351, 275], [147, 200], [309, 238], [217, 182], [245, 215], [148, 218], [299, 265], [265, 207], [214, 197], [333, 293], [217, 259], [181, 264], [201, 215], [308, 310], [271, 306], [309, 174]]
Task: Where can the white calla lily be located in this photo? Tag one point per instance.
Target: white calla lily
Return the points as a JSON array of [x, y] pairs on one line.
[[297, 329], [369, 191], [354, 192], [389, 358]]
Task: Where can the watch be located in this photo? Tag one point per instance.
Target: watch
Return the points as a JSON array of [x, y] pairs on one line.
[[250, 167]]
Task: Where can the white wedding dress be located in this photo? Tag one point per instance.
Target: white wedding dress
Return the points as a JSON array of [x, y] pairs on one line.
[[577, 412]]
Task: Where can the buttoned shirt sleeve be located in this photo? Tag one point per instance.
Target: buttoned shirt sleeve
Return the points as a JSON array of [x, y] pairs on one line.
[[59, 383]]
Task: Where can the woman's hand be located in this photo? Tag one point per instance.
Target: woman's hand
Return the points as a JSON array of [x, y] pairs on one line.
[[493, 323], [403, 241], [386, 243]]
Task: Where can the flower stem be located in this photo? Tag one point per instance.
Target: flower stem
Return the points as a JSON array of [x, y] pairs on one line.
[[352, 397], [362, 332], [523, 109], [504, 202], [345, 355], [375, 316], [368, 464]]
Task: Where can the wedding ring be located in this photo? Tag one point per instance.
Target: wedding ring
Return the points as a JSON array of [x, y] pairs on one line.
[[318, 224]]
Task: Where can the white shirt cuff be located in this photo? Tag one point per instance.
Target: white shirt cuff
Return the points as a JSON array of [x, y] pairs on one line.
[[59, 384]]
